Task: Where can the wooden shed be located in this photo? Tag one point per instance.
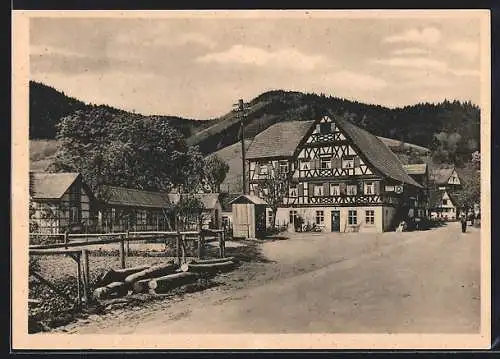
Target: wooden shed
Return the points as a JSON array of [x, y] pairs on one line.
[[249, 216]]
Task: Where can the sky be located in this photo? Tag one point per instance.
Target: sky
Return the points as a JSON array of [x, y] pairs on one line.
[[198, 67]]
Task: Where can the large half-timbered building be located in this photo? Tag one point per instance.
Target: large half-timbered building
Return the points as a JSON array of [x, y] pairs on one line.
[[341, 177]]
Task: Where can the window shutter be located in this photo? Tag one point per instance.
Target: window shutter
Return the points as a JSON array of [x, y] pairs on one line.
[[317, 163], [377, 187], [336, 162], [326, 189], [356, 161], [301, 189], [343, 188], [312, 164], [310, 188]]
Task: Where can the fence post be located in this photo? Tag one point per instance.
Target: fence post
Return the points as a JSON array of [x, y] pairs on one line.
[[66, 239], [128, 242], [178, 248], [122, 251], [183, 246], [79, 279], [219, 235], [200, 244], [223, 236], [86, 275]]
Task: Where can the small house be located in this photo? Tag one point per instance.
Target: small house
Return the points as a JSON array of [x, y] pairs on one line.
[[442, 205], [249, 216], [445, 178], [59, 202], [123, 209], [227, 214]]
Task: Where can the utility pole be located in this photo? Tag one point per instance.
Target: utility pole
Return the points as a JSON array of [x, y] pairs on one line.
[[241, 115]]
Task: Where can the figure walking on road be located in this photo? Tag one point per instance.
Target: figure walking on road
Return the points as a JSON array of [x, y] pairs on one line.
[[463, 221]]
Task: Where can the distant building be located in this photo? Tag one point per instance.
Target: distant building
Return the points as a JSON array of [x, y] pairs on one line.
[[445, 178], [442, 205], [342, 178], [59, 202], [227, 214], [419, 172], [126, 209], [212, 213]]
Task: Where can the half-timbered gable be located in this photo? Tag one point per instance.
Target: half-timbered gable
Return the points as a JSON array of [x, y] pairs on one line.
[[331, 162], [59, 202]]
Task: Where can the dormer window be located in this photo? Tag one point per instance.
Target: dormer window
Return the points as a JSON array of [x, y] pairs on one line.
[[326, 163], [283, 166]]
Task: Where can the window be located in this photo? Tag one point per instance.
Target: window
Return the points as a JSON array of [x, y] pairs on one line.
[[326, 163], [283, 166], [352, 189], [352, 217], [348, 163], [334, 189], [445, 202], [265, 191], [370, 216], [320, 217], [74, 214], [369, 188], [292, 192], [293, 215], [263, 169], [318, 190]]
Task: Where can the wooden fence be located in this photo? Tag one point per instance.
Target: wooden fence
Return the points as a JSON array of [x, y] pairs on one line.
[[74, 246]]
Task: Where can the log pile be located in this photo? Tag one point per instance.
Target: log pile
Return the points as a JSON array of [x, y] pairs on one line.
[[158, 279]]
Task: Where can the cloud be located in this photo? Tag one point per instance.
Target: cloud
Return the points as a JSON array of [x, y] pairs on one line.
[[247, 55], [468, 49], [159, 37], [411, 51], [428, 36], [414, 62]]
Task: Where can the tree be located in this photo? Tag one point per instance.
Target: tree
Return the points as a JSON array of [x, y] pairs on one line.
[[124, 149], [215, 171], [470, 192], [189, 209], [476, 159], [273, 189]]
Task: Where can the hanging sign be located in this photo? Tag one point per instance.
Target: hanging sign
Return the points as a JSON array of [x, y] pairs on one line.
[[398, 189]]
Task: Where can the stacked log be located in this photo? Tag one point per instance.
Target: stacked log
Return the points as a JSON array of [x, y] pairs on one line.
[[118, 275], [168, 282], [207, 268], [141, 286], [114, 289], [153, 272], [214, 260]]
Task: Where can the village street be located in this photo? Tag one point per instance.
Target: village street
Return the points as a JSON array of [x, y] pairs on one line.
[[411, 282]]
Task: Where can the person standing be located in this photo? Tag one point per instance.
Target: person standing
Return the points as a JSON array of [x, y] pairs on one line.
[[463, 221]]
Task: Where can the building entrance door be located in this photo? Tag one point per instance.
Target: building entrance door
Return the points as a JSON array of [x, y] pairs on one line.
[[335, 221]]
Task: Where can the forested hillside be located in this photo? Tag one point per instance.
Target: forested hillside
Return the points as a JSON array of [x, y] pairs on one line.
[[48, 106], [449, 129]]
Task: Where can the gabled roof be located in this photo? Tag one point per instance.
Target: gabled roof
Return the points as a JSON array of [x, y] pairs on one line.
[[121, 196], [441, 175], [50, 185], [436, 196], [248, 198], [416, 169], [377, 153], [279, 140], [397, 144], [226, 198]]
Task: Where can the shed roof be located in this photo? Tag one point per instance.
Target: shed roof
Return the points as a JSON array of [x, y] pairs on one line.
[[50, 185], [249, 198], [225, 200], [122, 196], [279, 140], [416, 169]]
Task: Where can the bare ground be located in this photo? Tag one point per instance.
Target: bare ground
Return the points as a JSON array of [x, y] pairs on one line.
[[415, 282]]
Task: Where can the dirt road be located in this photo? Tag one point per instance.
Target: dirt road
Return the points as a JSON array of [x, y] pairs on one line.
[[417, 282]]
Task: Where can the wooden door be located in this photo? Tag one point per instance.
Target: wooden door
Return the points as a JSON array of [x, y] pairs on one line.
[[335, 221]]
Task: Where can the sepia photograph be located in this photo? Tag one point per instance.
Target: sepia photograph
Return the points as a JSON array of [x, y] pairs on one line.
[[251, 179]]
